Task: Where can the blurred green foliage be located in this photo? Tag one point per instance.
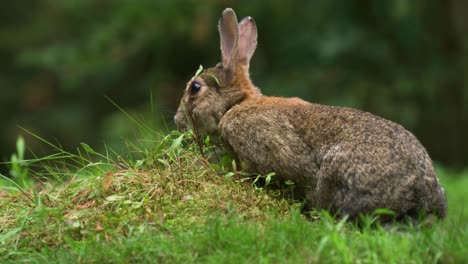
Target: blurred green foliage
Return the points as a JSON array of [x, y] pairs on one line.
[[404, 60]]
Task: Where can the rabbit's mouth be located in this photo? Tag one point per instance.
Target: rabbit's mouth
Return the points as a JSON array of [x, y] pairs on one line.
[[180, 121], [208, 125], [183, 118], [180, 126], [185, 121]]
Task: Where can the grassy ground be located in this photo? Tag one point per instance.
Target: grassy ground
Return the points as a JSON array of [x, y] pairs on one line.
[[165, 203]]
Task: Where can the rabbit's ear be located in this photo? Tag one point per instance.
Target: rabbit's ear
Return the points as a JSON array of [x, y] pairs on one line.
[[247, 40], [228, 33]]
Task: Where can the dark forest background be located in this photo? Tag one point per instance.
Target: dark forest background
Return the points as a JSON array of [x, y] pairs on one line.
[[404, 60]]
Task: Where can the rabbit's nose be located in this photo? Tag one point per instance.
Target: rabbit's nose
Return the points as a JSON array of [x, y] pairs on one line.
[[179, 120]]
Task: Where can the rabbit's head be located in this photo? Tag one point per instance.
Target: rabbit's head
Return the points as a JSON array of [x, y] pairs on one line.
[[211, 93]]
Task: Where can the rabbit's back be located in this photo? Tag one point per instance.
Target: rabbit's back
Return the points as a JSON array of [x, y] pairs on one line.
[[341, 158]]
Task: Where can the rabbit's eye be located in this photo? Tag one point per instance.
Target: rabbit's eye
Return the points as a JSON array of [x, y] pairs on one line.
[[195, 87]]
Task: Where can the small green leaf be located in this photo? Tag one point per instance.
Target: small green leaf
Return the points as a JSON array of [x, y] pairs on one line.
[[384, 211], [20, 147], [200, 69], [87, 148], [177, 142], [138, 163], [229, 175], [207, 141], [268, 178], [289, 182]]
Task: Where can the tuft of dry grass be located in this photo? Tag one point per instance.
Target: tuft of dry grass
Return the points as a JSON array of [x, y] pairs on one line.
[[171, 186]]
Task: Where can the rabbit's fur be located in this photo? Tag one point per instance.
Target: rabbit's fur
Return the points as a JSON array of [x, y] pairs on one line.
[[342, 159]]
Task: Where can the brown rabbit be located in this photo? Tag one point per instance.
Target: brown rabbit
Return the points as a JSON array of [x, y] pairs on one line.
[[342, 159]]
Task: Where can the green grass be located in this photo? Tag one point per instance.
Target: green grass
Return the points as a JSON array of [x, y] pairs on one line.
[[164, 202]]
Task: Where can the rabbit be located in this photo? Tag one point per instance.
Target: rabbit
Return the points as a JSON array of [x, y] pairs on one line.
[[341, 159]]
